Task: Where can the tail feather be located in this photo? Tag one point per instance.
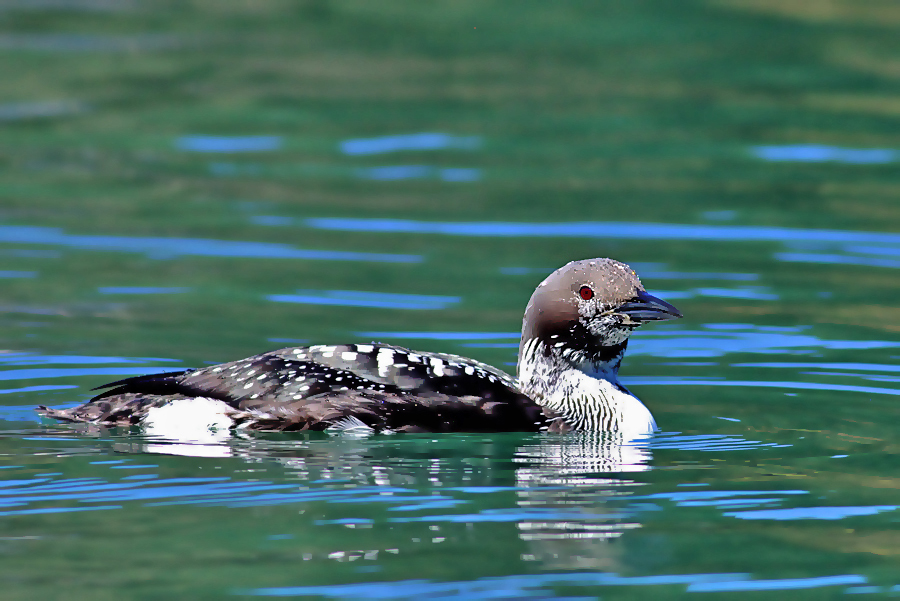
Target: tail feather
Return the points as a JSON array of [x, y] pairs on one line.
[[167, 378]]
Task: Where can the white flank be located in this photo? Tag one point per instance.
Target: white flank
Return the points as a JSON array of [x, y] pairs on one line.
[[198, 420]]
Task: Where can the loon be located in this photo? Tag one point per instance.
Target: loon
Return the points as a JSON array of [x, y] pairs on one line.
[[574, 334]]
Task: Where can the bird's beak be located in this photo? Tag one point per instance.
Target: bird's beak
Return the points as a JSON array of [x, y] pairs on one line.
[[646, 307]]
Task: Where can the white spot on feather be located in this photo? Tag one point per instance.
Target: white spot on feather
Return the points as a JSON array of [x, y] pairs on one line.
[[385, 360], [437, 366]]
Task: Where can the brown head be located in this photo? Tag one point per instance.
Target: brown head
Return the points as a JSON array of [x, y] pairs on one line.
[[586, 310]]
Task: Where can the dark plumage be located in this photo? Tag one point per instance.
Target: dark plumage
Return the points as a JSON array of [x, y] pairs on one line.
[[314, 387]]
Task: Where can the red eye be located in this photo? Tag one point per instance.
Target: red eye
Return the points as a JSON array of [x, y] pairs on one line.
[[586, 293]]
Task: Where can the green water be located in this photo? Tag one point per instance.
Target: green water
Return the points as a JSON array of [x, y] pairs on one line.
[[184, 183]]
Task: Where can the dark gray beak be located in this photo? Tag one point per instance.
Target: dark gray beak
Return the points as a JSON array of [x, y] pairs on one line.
[[646, 307]]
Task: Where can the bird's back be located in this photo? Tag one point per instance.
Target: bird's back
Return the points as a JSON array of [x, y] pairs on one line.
[[375, 386]]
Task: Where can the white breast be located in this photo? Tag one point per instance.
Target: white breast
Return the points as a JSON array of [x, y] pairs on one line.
[[599, 403]]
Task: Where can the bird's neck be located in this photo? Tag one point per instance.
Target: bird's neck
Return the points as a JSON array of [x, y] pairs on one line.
[[584, 391]]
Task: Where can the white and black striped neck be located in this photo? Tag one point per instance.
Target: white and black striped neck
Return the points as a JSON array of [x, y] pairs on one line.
[[586, 394]]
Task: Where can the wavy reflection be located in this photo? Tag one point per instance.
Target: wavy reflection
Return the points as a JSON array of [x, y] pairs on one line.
[[407, 142], [169, 248], [568, 491], [574, 482]]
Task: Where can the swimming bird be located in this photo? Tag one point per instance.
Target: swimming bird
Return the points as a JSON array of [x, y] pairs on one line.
[[574, 334]]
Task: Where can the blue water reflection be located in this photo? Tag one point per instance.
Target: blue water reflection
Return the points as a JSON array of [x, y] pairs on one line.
[[785, 584], [838, 366], [62, 372], [836, 259], [401, 172], [812, 513], [602, 229], [142, 290], [169, 248], [687, 381], [7, 274], [649, 271], [36, 389], [229, 143], [439, 335], [755, 293], [707, 443], [761, 293], [37, 359], [716, 340], [421, 141], [541, 585], [360, 298], [815, 153], [52, 368], [713, 340], [833, 246]]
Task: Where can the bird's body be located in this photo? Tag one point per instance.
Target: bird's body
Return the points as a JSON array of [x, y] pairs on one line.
[[575, 332]]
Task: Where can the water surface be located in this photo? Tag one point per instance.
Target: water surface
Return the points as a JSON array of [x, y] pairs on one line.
[[184, 185]]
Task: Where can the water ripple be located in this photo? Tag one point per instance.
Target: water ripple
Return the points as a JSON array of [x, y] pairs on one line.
[[142, 290], [533, 585], [817, 153], [716, 340], [401, 172], [704, 442], [151, 490], [784, 584], [8, 274], [59, 372], [420, 141], [228, 144], [840, 366], [663, 381], [168, 248], [439, 335], [602, 229], [812, 513], [362, 298], [35, 359]]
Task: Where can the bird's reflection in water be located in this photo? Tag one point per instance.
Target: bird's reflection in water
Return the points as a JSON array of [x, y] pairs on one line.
[[576, 480], [565, 494]]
